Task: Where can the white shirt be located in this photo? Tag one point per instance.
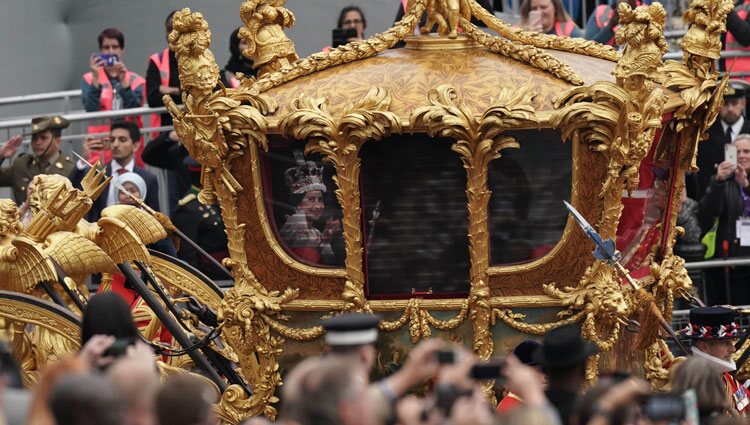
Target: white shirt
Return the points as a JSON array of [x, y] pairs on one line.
[[112, 195], [736, 127]]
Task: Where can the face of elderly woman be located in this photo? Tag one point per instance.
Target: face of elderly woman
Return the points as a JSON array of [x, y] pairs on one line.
[[125, 199], [312, 204], [547, 10]]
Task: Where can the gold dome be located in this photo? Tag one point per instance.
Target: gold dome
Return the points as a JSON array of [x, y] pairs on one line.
[[430, 61]]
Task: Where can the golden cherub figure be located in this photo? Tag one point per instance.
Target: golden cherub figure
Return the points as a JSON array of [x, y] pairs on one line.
[[445, 14]]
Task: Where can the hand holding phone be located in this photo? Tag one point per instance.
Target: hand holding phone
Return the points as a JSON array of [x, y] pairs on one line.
[[535, 20], [108, 59], [730, 153]]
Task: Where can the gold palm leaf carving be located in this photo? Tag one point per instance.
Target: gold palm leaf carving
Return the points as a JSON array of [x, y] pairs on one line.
[[78, 255], [143, 224], [24, 264], [119, 241]]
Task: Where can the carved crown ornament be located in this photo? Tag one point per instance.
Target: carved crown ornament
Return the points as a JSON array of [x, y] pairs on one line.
[[423, 183]]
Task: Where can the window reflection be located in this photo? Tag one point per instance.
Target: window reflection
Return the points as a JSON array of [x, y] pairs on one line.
[[528, 184], [415, 217]]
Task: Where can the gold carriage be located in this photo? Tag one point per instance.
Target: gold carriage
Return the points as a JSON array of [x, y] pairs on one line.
[[439, 170], [503, 126]]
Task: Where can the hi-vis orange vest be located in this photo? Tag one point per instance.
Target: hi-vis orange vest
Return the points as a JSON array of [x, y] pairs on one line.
[[740, 64], [161, 60], [105, 104], [603, 14], [566, 28]]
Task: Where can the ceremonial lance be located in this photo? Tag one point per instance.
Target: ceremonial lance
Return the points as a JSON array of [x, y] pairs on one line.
[[181, 235], [607, 251]]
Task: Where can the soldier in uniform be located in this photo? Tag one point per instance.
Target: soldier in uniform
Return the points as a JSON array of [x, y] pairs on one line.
[[46, 157], [713, 330], [201, 223]]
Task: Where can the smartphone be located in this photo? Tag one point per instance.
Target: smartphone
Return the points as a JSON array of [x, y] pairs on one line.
[[108, 59], [119, 347], [535, 16], [492, 369], [341, 36], [445, 356], [664, 408], [730, 153]]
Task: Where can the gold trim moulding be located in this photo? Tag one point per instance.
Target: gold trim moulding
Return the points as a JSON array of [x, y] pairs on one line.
[[447, 304], [436, 42], [543, 117]]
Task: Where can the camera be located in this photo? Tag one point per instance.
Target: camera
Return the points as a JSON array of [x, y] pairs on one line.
[[664, 407], [119, 347], [341, 36], [445, 356], [492, 369], [108, 59]]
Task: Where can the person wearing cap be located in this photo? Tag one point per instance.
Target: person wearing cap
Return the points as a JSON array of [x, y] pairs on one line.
[[563, 357], [201, 223], [524, 352], [123, 142], [730, 124], [712, 331], [46, 157], [352, 335], [726, 205]]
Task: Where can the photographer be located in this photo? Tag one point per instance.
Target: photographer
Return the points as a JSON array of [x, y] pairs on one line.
[[109, 85], [726, 205]]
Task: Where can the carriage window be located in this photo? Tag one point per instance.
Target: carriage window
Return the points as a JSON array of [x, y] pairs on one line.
[[301, 201], [415, 217], [528, 184]]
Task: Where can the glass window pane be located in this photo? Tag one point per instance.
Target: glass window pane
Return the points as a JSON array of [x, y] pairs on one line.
[[300, 196], [415, 217], [528, 185]]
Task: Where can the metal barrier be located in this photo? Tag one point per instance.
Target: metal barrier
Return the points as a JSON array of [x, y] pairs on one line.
[[79, 122]]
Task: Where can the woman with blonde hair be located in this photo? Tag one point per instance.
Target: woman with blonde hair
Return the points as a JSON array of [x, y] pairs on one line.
[[548, 16]]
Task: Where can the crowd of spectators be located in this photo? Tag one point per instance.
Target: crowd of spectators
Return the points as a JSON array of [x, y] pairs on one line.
[[437, 383], [538, 382]]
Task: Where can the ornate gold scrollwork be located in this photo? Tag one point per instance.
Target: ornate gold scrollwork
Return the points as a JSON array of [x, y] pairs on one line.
[[217, 129], [478, 141], [339, 141], [619, 121], [343, 54]]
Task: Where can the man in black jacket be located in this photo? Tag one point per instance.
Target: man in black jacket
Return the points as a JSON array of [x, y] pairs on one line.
[[731, 123], [123, 142], [727, 203]]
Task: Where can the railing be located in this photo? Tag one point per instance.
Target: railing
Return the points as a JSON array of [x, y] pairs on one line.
[[64, 95], [79, 121]]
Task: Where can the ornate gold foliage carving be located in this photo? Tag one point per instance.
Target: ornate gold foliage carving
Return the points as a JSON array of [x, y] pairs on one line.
[[339, 141], [216, 127], [527, 54], [344, 54], [478, 141], [420, 320], [618, 120], [543, 41], [696, 78]]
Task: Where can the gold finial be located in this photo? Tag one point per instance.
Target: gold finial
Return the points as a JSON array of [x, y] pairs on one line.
[[707, 20], [641, 33], [268, 46]]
